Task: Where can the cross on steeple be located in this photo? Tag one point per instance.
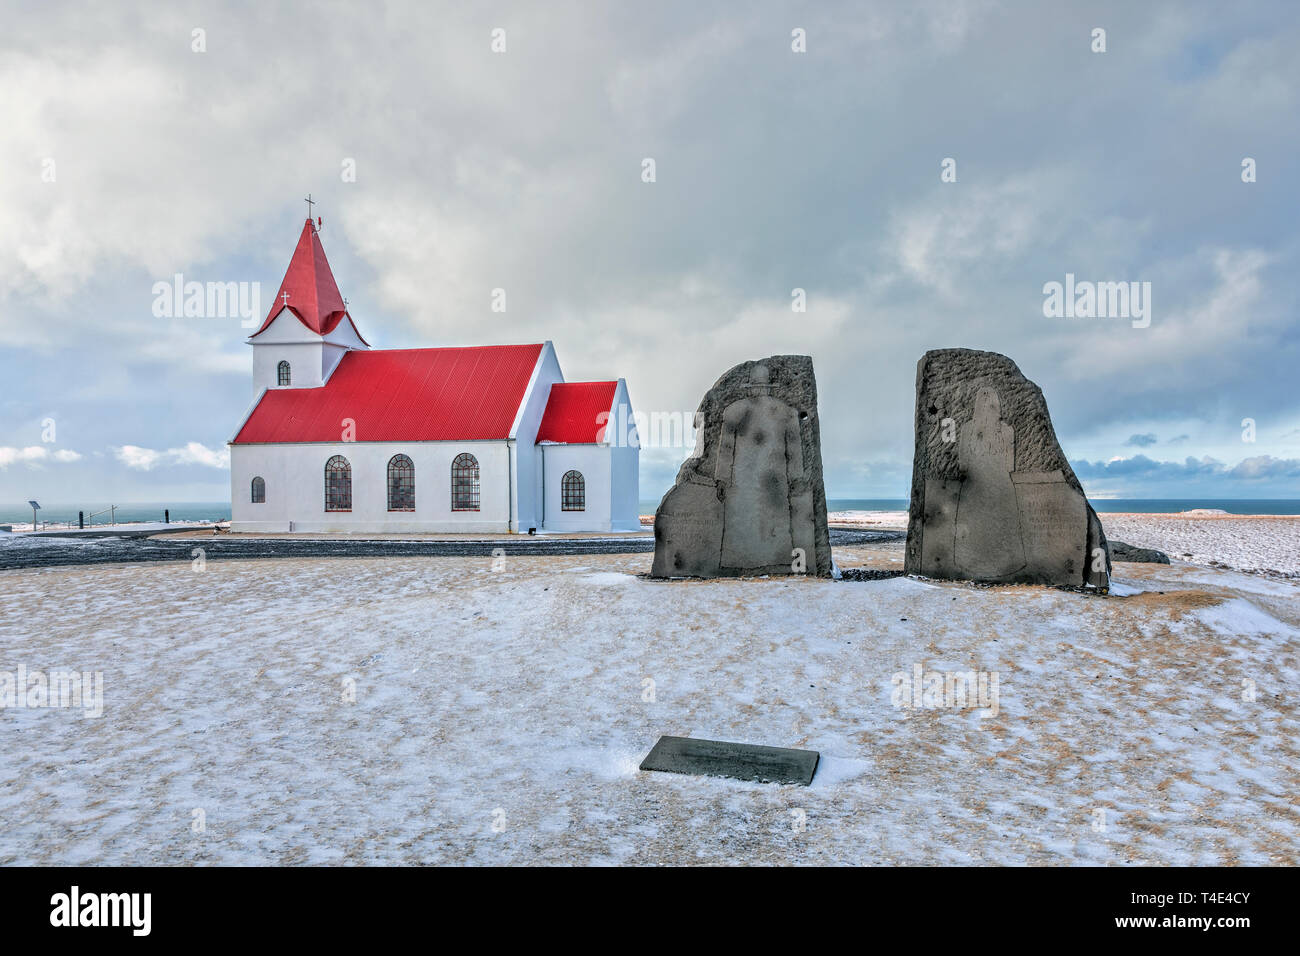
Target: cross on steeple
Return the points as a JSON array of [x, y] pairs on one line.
[[309, 203], [285, 297]]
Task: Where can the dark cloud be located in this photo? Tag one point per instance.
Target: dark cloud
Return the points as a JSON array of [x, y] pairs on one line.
[[1259, 476]]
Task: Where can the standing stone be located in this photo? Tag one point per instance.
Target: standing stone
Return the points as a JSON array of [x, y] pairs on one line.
[[750, 499], [993, 497]]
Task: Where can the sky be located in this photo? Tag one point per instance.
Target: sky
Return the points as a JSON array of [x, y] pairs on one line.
[[922, 171]]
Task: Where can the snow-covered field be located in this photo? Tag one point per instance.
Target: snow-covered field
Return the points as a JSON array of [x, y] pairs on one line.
[[1268, 544], [1255, 543], [500, 715]]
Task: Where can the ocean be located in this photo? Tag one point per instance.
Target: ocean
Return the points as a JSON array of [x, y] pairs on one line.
[[220, 510], [67, 514]]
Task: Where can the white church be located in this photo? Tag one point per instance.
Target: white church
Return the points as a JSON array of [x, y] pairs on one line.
[[345, 437]]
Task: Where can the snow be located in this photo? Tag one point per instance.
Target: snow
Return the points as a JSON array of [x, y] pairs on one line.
[[1239, 616], [1267, 544], [875, 520], [1260, 544], [500, 717], [1120, 588]]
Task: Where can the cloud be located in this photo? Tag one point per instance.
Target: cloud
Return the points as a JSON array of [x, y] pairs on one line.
[[1141, 441], [941, 241], [192, 453], [34, 456], [1266, 467], [1258, 468], [776, 170]]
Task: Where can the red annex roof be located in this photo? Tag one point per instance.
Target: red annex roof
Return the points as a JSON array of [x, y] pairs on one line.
[[313, 295], [572, 410], [455, 394]]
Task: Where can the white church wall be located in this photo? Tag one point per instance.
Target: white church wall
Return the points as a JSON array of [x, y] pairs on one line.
[[305, 364], [529, 418], [341, 340], [625, 489], [330, 356], [287, 339], [625, 464], [593, 461], [312, 358], [295, 487]]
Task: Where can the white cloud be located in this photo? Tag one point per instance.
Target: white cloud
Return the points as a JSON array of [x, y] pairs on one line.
[[192, 453], [34, 456], [133, 456], [958, 231]]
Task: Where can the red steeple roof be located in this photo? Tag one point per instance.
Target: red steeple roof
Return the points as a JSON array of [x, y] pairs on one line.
[[313, 295]]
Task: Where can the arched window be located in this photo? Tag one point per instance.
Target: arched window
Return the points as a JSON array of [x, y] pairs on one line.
[[573, 492], [401, 484], [464, 483], [338, 484], [259, 491], [282, 373]]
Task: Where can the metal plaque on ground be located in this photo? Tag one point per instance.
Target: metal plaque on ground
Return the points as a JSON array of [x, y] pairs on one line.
[[719, 758]]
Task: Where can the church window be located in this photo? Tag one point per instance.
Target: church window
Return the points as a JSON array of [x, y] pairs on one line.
[[282, 373], [573, 492], [338, 484], [401, 484], [259, 490], [464, 483]]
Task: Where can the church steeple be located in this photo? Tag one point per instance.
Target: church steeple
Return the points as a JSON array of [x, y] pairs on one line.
[[309, 290], [308, 301]]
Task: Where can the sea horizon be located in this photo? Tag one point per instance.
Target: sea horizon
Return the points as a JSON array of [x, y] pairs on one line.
[[212, 511]]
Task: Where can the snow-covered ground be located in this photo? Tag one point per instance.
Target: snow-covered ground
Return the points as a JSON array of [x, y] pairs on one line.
[[500, 715], [1268, 544], [92, 528], [882, 520], [1255, 543]]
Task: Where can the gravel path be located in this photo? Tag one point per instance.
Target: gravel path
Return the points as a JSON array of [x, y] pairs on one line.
[[47, 552]]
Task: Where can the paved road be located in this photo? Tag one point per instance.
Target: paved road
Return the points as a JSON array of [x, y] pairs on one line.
[[57, 552]]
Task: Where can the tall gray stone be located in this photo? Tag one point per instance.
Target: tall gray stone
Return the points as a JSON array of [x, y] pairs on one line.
[[750, 498], [993, 497]]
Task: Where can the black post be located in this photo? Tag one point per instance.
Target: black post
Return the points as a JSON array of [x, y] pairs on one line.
[[81, 519], [167, 516]]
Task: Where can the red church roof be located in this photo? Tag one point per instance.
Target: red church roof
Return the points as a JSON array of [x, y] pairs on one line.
[[313, 295], [572, 411], [453, 394]]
